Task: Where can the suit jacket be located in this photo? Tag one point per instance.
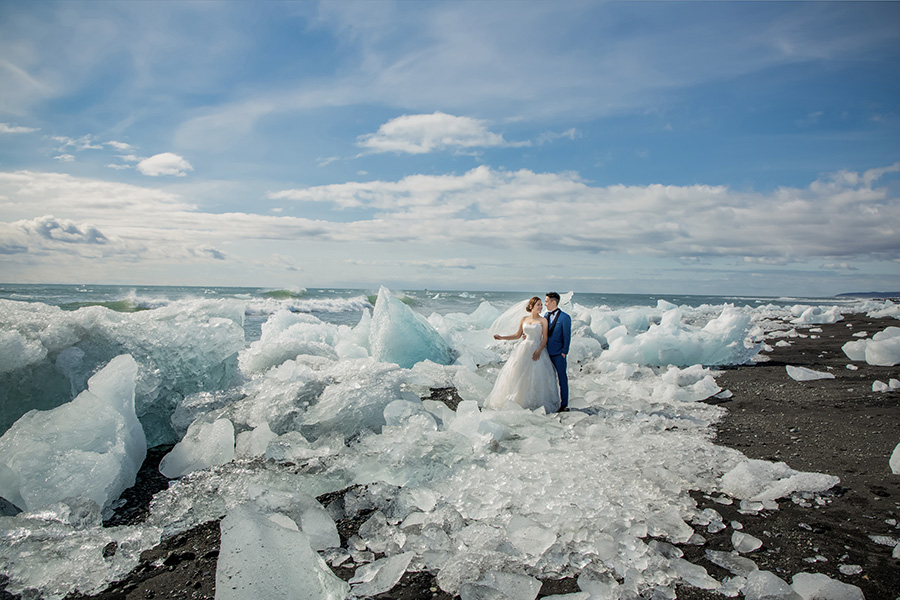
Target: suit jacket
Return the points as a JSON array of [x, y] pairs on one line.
[[558, 340]]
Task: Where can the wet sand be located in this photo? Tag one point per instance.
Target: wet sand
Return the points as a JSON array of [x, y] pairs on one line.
[[837, 426]]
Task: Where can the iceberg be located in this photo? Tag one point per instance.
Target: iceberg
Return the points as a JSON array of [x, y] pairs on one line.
[[89, 448], [400, 335]]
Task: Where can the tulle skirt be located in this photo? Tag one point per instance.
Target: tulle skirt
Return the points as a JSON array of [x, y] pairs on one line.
[[527, 382]]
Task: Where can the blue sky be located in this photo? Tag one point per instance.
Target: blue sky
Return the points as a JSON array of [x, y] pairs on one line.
[[647, 147]]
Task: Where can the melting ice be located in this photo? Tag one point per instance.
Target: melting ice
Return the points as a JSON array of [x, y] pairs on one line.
[[489, 500]]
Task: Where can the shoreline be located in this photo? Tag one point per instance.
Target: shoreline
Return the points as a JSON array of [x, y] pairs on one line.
[[836, 426]]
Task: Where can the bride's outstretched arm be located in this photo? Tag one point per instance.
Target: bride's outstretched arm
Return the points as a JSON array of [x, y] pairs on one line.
[[515, 336]]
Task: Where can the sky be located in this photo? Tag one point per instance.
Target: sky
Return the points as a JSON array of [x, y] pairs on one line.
[[674, 147]]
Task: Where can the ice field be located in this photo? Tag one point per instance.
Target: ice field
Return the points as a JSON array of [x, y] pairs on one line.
[[491, 501]]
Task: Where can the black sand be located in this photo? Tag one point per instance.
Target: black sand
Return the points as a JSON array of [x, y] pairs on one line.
[[836, 426]]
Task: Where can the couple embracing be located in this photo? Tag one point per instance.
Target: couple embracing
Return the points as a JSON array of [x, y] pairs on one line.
[[535, 374]]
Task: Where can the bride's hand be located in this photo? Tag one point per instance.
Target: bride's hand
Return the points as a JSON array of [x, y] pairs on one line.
[[496, 336], [536, 355]]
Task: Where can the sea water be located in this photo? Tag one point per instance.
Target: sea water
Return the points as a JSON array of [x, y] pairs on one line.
[[253, 382]]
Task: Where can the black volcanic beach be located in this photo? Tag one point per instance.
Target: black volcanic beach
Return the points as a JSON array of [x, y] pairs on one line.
[[836, 426]]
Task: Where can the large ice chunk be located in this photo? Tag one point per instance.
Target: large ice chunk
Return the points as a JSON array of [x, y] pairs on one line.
[[262, 557], [765, 585], [817, 586], [91, 447], [182, 348], [204, 445], [883, 349], [721, 341], [760, 480], [285, 335], [815, 314], [381, 575], [400, 335], [804, 374]]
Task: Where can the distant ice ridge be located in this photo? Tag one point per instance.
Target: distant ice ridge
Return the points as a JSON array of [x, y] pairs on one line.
[[47, 355], [721, 341]]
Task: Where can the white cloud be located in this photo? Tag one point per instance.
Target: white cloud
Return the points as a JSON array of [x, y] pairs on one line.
[[420, 134], [552, 136], [841, 215], [122, 146], [455, 219], [85, 142], [64, 158], [7, 128], [166, 163]]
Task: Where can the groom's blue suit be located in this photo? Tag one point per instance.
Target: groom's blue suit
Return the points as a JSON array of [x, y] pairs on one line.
[[560, 326]]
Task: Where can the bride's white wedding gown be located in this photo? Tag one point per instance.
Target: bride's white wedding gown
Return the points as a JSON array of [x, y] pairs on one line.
[[524, 381]]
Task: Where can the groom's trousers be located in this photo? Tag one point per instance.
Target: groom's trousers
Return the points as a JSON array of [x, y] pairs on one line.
[[559, 362]]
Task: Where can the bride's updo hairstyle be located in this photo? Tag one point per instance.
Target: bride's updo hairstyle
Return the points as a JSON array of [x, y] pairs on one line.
[[531, 303]]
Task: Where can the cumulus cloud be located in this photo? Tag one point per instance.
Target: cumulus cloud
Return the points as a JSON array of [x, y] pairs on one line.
[[420, 134], [7, 128], [166, 163]]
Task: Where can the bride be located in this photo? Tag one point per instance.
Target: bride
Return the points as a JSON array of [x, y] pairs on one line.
[[528, 378]]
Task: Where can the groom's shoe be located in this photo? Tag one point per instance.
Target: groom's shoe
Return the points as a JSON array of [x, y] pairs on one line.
[[563, 409]]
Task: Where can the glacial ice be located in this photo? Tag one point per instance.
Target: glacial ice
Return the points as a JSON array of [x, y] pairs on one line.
[[882, 349], [744, 542], [380, 576], [60, 550], [672, 342], [49, 354], [89, 448], [204, 445], [809, 315], [817, 586], [804, 374], [400, 335], [765, 585], [759, 480], [261, 557], [284, 336], [600, 493]]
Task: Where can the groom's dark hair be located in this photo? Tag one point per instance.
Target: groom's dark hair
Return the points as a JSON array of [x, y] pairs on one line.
[[554, 296]]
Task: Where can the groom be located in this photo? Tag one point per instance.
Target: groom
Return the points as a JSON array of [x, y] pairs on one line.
[[558, 335]]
